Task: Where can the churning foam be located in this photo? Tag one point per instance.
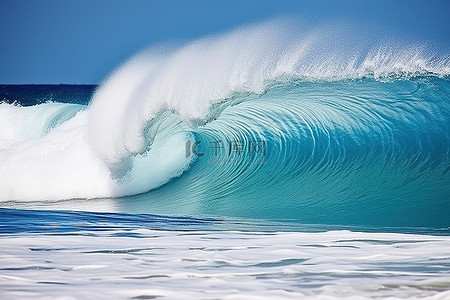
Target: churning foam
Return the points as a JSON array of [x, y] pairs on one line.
[[42, 162]]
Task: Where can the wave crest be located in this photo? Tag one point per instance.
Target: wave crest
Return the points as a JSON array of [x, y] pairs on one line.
[[190, 79]]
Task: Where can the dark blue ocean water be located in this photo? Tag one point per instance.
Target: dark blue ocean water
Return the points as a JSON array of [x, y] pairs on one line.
[[33, 94]]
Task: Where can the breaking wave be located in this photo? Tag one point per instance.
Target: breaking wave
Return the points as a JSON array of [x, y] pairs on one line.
[[260, 122]]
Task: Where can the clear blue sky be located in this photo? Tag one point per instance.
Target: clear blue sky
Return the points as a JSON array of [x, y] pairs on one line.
[[81, 41]]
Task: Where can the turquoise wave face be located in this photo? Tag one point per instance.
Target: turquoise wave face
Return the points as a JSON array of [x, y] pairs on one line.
[[361, 152], [349, 152]]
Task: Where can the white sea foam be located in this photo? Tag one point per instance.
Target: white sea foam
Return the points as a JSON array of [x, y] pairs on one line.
[[52, 164], [142, 263], [23, 123]]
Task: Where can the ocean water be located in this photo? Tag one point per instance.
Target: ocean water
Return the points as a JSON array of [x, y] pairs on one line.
[[248, 165], [73, 255]]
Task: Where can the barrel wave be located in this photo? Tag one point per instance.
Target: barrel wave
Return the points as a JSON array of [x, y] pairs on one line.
[[260, 123]]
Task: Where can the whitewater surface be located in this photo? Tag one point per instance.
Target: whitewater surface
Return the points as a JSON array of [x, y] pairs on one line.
[[70, 255]]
